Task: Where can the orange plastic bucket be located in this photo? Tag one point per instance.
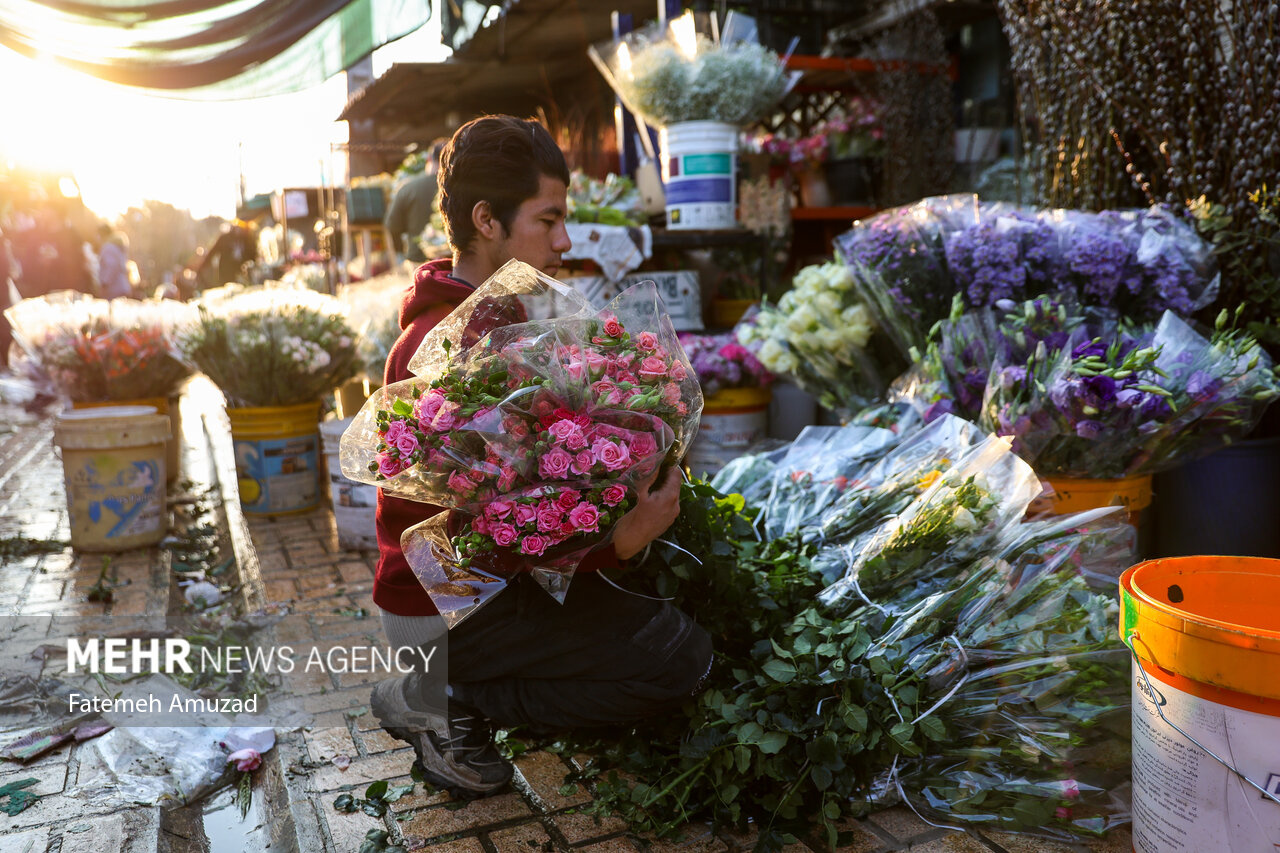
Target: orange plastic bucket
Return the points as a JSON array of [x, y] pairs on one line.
[[1205, 632], [1072, 494]]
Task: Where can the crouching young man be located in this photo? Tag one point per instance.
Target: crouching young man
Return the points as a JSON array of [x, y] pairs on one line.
[[602, 657]]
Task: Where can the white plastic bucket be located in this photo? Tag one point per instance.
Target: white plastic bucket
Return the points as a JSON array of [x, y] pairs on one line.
[[698, 165], [113, 462], [732, 421], [354, 504]]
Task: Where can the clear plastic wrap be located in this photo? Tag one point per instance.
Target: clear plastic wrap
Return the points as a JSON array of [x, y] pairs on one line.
[[1130, 401], [274, 346], [673, 73], [535, 430], [95, 350]]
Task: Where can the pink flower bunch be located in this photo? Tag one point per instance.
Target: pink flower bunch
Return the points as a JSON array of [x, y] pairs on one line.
[[539, 439]]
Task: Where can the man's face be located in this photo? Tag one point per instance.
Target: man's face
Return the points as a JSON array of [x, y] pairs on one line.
[[538, 236]]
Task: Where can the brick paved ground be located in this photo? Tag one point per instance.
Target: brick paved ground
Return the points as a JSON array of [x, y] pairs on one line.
[[295, 561]]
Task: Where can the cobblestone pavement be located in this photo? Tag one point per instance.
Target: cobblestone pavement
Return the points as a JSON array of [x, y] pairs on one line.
[[296, 561]]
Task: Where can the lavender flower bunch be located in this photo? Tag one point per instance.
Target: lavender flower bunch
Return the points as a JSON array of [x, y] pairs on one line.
[[1134, 400], [1007, 254], [721, 362]]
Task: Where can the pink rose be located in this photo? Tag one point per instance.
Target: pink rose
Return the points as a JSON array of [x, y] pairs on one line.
[[504, 534], [447, 417], [407, 444], [585, 517], [554, 464], [246, 759], [506, 479], [682, 409], [543, 407], [627, 376], [568, 499], [388, 465], [534, 544], [647, 341], [614, 494], [603, 389], [575, 442], [678, 372], [549, 518], [671, 393], [395, 430], [612, 456], [653, 368], [612, 327], [576, 370], [429, 404], [480, 525], [596, 362], [562, 429], [524, 514], [643, 445], [498, 509], [583, 461], [461, 483]]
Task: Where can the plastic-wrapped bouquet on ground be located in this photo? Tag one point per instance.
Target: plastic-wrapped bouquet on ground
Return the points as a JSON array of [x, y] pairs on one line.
[[820, 334], [1131, 400], [97, 350], [534, 431], [272, 347], [929, 648], [675, 74]]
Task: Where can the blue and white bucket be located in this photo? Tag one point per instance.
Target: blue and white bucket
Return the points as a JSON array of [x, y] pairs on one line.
[[698, 166]]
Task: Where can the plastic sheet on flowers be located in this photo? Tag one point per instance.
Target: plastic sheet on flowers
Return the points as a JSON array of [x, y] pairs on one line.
[[271, 346], [673, 73], [96, 350], [373, 311], [1131, 400], [533, 417]]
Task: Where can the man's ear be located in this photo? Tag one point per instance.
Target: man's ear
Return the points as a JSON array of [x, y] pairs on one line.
[[486, 225]]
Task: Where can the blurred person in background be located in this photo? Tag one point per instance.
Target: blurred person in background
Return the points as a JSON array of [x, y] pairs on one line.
[[411, 208], [113, 265], [6, 331]]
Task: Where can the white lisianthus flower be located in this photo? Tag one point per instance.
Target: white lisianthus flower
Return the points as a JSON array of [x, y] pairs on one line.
[[802, 320], [786, 363], [828, 302], [963, 519], [770, 352]]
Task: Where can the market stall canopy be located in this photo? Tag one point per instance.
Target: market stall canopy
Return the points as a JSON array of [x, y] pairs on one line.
[[531, 56], [206, 50]]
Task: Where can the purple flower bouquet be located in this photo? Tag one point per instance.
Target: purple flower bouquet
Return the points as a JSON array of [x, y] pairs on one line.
[[721, 362], [1132, 400]]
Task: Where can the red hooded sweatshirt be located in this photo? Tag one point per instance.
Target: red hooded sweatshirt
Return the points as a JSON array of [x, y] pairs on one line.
[[431, 298]]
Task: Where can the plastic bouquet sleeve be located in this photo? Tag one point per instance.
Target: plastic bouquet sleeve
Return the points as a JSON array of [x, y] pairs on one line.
[[899, 266], [533, 416]]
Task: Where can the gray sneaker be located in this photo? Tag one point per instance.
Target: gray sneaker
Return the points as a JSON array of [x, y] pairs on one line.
[[455, 748]]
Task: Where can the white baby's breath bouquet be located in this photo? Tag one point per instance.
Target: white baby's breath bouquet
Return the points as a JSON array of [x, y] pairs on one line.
[[818, 334], [272, 347], [675, 74]]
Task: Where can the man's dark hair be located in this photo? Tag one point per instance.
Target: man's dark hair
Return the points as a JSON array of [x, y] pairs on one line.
[[498, 159]]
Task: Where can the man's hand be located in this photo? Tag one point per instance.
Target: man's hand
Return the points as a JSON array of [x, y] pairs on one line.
[[650, 517]]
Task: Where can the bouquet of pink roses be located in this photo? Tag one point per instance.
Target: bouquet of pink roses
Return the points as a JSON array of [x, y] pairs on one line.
[[534, 431]]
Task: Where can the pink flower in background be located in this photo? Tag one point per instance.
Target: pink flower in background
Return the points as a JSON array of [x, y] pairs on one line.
[[504, 534], [575, 442], [534, 544], [406, 443], [568, 499], [395, 430], [678, 371], [446, 417], [549, 517], [564, 428], [643, 445], [647, 341], [585, 517], [596, 362], [518, 429], [245, 759], [554, 464], [612, 327], [614, 494], [575, 370], [460, 483], [429, 404], [612, 456], [671, 393], [507, 478]]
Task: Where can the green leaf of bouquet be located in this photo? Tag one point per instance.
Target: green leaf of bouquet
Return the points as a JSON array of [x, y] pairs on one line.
[[402, 407], [779, 670]]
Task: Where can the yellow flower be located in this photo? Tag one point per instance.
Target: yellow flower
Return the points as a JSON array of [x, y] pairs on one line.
[[928, 480]]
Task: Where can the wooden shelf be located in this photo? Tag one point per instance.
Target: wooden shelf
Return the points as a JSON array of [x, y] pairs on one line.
[[823, 213]]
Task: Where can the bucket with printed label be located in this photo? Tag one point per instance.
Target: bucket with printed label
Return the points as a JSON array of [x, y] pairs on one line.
[[1205, 635], [113, 463], [354, 504], [167, 406], [733, 419], [699, 159], [277, 451]]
